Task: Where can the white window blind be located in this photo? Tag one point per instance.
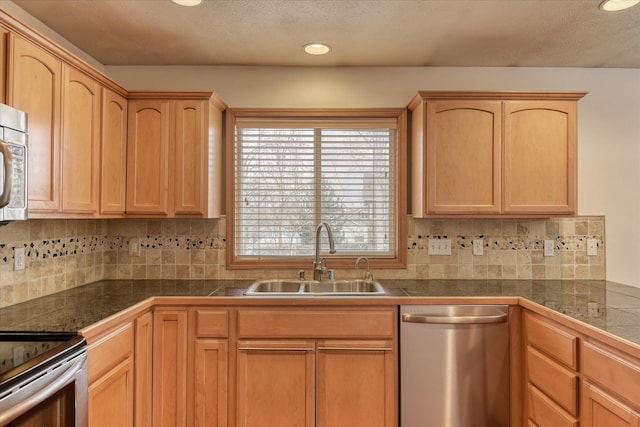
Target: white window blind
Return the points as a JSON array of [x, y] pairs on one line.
[[292, 174]]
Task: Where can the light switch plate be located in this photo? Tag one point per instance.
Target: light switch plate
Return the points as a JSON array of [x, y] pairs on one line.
[[592, 247], [439, 246]]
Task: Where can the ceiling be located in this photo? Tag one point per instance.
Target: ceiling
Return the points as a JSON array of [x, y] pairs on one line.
[[520, 33]]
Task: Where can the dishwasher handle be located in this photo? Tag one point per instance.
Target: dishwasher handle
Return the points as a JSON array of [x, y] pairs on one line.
[[454, 319]]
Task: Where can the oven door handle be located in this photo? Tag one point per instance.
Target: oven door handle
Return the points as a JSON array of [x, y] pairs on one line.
[[26, 398], [5, 197]]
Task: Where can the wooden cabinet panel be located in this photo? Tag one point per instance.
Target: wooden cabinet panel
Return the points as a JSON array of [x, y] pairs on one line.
[[540, 157], [110, 400], [191, 148], [544, 412], [109, 351], [494, 153], [602, 410], [316, 323], [356, 383], [80, 142], [149, 127], [275, 383], [113, 154], [143, 358], [554, 380], [169, 368], [210, 383], [34, 85], [463, 140], [612, 372], [4, 41], [552, 340], [212, 323]]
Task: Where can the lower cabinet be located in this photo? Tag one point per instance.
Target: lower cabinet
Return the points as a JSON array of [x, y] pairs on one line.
[[190, 358], [316, 367], [110, 396], [603, 410]]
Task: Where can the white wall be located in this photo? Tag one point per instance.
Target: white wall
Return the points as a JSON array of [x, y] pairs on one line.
[[609, 119]]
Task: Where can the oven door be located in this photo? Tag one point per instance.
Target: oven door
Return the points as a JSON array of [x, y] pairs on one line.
[[48, 395]]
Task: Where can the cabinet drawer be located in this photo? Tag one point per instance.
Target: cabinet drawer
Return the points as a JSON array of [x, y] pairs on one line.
[[110, 351], [552, 340], [557, 382], [612, 372], [212, 323], [316, 323], [544, 412]]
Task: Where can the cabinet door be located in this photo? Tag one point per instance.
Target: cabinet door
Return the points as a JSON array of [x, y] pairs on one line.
[[148, 172], [210, 383], [540, 157], [190, 183], [602, 410], [169, 368], [143, 370], [34, 82], [4, 41], [356, 384], [463, 150], [275, 383], [111, 397], [80, 142], [113, 154]]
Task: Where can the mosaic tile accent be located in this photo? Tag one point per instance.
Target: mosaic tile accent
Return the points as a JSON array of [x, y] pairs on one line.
[[63, 254]]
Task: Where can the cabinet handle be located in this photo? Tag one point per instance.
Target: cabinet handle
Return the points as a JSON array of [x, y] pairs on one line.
[[275, 349], [357, 348]]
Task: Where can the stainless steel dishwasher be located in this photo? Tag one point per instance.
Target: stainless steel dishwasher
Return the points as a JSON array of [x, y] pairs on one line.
[[454, 366]]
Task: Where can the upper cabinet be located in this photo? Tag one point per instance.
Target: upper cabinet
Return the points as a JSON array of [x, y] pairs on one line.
[[174, 155], [494, 153], [34, 84], [113, 154]]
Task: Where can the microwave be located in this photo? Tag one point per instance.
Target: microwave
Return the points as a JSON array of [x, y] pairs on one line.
[[13, 164]]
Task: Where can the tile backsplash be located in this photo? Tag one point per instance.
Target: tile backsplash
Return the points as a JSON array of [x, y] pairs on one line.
[[62, 254]]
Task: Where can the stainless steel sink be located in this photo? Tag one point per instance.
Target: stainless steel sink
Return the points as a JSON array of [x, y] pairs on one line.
[[312, 287]]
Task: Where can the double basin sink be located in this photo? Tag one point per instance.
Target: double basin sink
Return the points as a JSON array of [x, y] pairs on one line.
[[315, 288]]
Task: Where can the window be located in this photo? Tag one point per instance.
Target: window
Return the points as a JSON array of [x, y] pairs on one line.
[[294, 169]]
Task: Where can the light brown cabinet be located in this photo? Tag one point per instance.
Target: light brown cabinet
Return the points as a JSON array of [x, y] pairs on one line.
[[190, 364], [63, 106], [316, 367], [551, 377], [170, 367], [80, 142], [113, 154], [34, 83], [603, 410], [494, 153], [143, 363], [174, 155], [111, 378]]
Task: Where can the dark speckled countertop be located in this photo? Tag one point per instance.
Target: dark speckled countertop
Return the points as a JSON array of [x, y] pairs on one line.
[[609, 306]]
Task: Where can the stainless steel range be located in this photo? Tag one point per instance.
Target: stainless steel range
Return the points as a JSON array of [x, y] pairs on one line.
[[43, 379]]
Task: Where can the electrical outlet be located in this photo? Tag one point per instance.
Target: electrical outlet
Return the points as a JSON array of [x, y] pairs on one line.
[[18, 259], [439, 246], [548, 247], [134, 247], [592, 247], [478, 247]]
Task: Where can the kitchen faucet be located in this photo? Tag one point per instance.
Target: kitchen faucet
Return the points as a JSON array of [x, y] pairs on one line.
[[369, 276], [318, 265]]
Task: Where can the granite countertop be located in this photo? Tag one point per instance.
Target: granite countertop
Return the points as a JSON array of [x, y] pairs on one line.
[[609, 306]]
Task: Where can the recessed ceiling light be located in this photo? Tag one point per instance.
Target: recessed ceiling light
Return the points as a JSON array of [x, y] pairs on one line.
[[319, 48], [187, 2], [615, 5]]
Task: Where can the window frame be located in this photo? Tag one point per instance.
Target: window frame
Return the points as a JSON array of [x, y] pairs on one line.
[[337, 261]]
